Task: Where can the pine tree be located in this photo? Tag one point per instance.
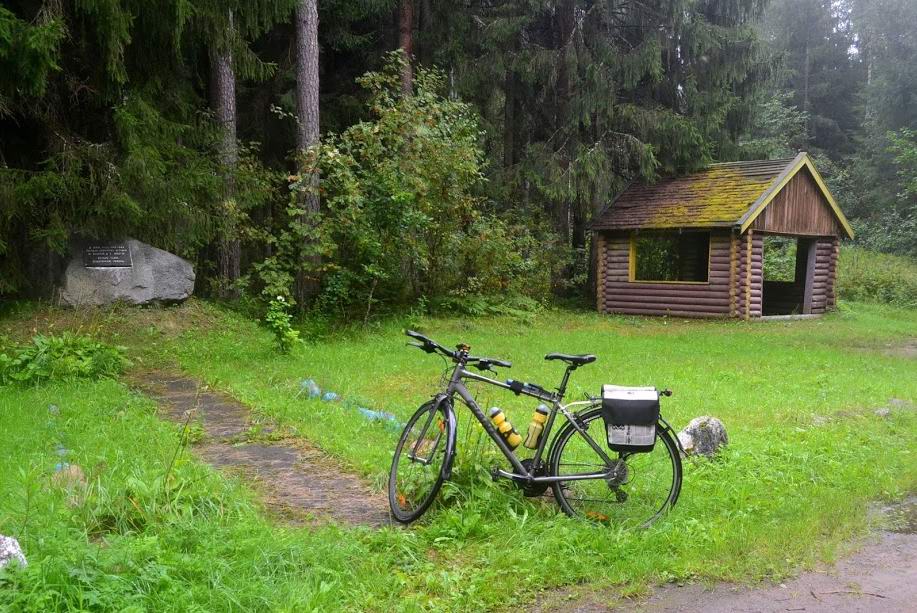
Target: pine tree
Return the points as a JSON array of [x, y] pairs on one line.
[[584, 96], [307, 135], [406, 42], [223, 102]]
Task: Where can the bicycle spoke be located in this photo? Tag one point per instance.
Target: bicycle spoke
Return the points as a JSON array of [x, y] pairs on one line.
[[417, 465], [637, 486]]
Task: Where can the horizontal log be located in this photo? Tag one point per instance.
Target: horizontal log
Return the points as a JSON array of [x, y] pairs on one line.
[[662, 306], [724, 301], [699, 291], [722, 298], [630, 311]]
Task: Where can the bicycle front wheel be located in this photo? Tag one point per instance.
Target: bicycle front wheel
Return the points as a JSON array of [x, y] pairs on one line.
[[417, 466], [640, 486]]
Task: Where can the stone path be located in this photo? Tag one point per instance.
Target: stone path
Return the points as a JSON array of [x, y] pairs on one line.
[[296, 479], [879, 578]]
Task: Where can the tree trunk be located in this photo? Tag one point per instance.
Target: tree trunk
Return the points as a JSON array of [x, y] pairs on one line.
[[223, 101], [565, 25], [406, 43], [307, 133], [509, 118]]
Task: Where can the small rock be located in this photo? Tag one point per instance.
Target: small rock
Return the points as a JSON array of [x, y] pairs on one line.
[[703, 436], [10, 551], [883, 412], [819, 420], [329, 396], [53, 409]]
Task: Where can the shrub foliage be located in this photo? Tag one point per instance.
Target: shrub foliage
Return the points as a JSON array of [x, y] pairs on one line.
[[64, 357]]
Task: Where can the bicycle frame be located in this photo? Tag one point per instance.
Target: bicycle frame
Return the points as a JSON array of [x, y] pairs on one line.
[[457, 386]]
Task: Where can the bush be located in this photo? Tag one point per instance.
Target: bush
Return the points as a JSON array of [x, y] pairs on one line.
[[64, 357], [876, 277], [402, 216], [278, 319]]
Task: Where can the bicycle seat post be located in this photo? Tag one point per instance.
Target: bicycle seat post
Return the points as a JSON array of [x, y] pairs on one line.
[[563, 384]]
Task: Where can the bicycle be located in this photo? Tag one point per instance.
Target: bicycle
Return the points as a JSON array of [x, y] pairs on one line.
[[631, 489]]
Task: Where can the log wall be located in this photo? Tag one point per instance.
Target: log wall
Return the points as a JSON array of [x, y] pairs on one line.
[[825, 275], [749, 283], [616, 293], [735, 287]]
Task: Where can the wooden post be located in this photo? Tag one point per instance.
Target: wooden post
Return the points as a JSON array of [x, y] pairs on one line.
[[812, 246], [733, 263], [748, 275], [600, 272], [832, 274]]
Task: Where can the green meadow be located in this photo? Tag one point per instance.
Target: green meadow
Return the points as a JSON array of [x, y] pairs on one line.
[[154, 529]]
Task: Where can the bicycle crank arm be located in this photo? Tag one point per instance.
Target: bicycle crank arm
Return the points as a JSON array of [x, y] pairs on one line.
[[577, 477]]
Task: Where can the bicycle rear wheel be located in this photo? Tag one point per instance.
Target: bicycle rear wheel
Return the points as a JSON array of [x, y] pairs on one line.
[[641, 488], [417, 466]]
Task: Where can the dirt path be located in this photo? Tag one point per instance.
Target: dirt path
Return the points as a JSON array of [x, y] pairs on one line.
[[296, 479], [880, 578]]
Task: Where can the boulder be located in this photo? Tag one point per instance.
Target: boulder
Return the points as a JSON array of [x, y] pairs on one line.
[[148, 276], [703, 436], [10, 551]]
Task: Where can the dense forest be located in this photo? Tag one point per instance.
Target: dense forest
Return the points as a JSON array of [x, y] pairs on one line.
[[358, 156]]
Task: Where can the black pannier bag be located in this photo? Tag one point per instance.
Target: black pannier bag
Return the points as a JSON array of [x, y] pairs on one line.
[[630, 415]]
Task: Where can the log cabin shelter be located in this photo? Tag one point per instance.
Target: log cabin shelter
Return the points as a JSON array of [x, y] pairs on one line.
[[694, 245]]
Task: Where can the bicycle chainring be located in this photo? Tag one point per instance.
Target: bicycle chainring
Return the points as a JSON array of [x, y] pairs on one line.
[[532, 490]]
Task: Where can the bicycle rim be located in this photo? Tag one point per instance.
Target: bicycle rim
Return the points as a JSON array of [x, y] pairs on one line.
[[643, 485], [416, 473]]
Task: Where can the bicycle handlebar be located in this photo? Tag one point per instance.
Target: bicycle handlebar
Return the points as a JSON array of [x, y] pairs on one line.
[[430, 346]]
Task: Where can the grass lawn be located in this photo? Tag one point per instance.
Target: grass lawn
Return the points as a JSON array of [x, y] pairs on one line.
[[807, 455]]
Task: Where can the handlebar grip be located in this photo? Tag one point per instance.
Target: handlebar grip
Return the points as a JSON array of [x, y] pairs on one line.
[[417, 335]]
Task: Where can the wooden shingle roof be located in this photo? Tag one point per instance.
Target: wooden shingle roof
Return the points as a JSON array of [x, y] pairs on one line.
[[730, 194]]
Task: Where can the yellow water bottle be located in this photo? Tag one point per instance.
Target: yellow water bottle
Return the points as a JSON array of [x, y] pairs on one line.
[[536, 426], [504, 427]]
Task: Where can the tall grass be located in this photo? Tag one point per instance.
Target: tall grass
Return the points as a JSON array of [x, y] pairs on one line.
[[869, 276]]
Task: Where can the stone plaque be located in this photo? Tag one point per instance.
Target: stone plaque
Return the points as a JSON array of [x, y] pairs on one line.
[[113, 255]]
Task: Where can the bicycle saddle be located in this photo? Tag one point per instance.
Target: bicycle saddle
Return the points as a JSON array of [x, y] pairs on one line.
[[578, 360]]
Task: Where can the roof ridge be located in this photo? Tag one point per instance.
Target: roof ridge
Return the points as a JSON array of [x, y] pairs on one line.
[[753, 162]]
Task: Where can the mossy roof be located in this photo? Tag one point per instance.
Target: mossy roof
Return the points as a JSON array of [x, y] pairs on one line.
[[723, 195]]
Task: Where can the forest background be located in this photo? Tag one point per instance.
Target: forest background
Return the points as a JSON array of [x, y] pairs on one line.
[[361, 157]]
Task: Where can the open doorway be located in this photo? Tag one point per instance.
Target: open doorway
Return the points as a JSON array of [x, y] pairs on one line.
[[787, 275]]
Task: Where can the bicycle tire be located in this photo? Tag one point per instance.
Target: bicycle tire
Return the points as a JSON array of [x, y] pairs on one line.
[[423, 490], [601, 499]]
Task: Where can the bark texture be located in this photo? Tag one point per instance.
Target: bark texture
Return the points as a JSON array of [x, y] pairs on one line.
[[223, 102], [307, 135], [406, 43]]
